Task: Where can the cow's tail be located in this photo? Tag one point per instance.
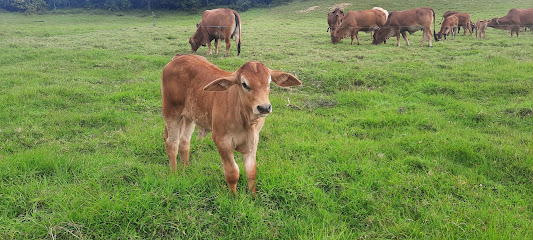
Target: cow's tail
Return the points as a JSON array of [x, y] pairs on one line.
[[237, 32], [434, 33]]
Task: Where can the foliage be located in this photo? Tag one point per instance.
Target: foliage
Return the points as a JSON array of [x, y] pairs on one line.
[[380, 142], [113, 5]]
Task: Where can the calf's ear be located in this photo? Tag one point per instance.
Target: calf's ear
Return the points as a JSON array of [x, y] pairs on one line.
[[284, 79], [220, 84]]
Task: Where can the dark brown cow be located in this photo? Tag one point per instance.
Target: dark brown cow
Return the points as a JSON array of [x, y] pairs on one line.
[[481, 28], [217, 24], [334, 19], [448, 13], [449, 26], [401, 22], [355, 21], [514, 19], [232, 105]]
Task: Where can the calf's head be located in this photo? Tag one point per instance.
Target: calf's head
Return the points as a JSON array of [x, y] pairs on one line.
[[252, 82]]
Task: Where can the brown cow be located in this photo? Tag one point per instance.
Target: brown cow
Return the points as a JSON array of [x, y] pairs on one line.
[[465, 22], [355, 21], [514, 19], [217, 24], [481, 26], [448, 13], [410, 21], [334, 19], [232, 105], [449, 26]]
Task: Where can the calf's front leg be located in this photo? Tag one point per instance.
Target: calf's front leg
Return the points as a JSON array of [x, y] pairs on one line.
[[231, 169]]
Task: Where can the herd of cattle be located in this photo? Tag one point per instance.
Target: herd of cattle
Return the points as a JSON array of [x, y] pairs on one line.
[[233, 105], [385, 25]]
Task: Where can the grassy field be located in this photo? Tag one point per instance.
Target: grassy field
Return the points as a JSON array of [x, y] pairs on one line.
[[389, 142]]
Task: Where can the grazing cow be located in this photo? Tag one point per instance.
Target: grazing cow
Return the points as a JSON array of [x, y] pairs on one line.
[[412, 20], [217, 24], [355, 21], [448, 13], [481, 26], [334, 19], [514, 19], [232, 105], [449, 26]]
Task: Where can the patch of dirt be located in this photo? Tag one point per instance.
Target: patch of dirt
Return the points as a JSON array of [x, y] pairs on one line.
[[340, 5], [308, 9]]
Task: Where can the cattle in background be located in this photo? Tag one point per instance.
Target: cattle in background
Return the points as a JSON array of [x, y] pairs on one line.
[[401, 22], [481, 28], [217, 24], [232, 105], [334, 19], [449, 26], [514, 19], [363, 20]]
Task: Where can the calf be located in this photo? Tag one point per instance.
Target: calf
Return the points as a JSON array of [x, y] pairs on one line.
[[334, 19], [401, 22], [217, 24], [449, 26], [355, 21], [481, 27], [232, 105]]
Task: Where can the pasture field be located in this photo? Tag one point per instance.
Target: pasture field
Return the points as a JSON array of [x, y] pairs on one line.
[[387, 142]]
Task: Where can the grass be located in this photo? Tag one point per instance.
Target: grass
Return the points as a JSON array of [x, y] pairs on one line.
[[389, 142]]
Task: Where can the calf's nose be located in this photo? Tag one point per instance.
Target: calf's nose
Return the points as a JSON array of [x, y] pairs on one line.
[[264, 108]]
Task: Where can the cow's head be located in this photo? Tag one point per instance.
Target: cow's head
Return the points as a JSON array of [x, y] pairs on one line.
[[199, 38], [252, 81], [334, 19], [382, 34]]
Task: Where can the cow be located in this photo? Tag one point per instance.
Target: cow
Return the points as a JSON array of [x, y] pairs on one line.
[[412, 20], [355, 21], [448, 13], [334, 19], [233, 105], [481, 26], [464, 21], [449, 26], [221, 23], [514, 19]]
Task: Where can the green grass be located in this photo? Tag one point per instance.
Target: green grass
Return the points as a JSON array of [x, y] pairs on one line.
[[389, 142]]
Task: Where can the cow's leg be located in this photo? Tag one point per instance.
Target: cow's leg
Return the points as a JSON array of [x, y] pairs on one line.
[[352, 35], [357, 37], [171, 135], [404, 35], [216, 45], [209, 45], [231, 169], [250, 166], [228, 44], [427, 33], [185, 133]]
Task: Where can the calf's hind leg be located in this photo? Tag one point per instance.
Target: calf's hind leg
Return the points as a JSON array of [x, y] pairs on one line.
[[177, 139]]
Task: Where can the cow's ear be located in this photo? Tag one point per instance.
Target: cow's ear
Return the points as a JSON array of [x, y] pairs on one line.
[[284, 79], [220, 84]]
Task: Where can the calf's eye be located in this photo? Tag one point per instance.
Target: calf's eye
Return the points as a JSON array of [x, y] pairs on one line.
[[246, 87]]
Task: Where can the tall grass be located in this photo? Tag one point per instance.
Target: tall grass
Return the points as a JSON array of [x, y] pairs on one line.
[[387, 142]]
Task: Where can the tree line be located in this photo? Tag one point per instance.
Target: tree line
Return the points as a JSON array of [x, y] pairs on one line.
[[34, 6]]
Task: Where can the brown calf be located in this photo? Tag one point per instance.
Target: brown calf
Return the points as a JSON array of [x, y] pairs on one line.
[[401, 22], [449, 26], [355, 21], [481, 28], [217, 24], [334, 19], [232, 105]]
